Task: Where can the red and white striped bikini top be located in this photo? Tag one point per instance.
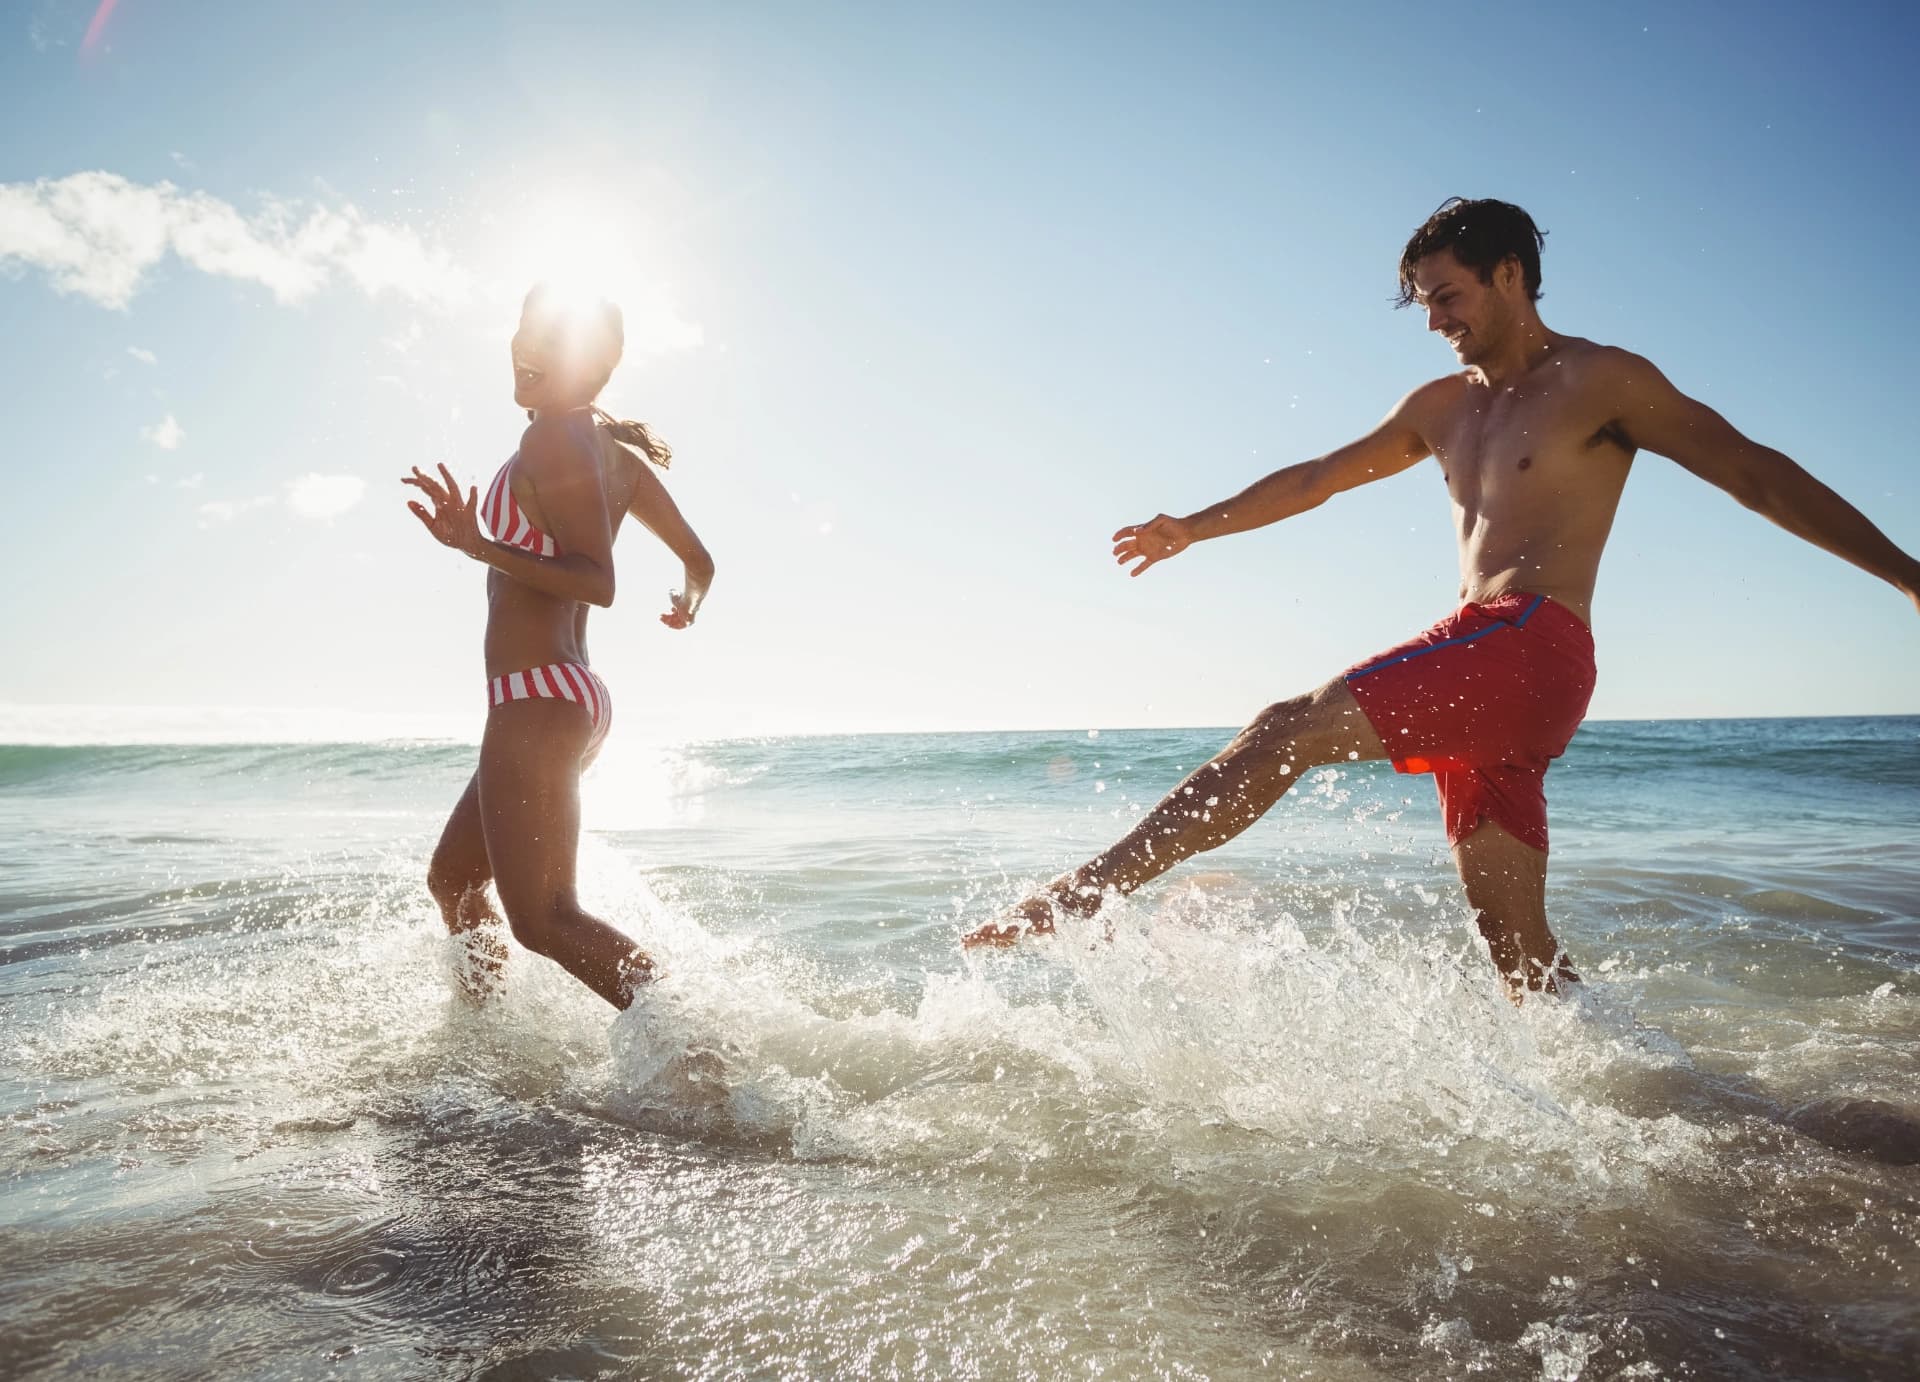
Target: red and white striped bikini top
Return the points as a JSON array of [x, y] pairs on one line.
[[506, 521]]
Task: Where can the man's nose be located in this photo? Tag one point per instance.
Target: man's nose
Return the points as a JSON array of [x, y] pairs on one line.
[[1434, 323]]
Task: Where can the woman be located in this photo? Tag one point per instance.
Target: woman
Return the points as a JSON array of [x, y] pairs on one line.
[[550, 516]]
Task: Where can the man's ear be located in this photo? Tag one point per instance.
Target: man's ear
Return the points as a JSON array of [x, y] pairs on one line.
[[1509, 276]]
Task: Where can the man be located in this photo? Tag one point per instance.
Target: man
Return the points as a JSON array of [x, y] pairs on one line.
[[1534, 437]]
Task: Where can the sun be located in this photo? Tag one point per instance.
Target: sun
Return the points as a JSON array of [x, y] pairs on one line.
[[585, 245], [563, 246]]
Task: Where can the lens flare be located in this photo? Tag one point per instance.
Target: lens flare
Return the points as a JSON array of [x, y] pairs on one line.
[[97, 27]]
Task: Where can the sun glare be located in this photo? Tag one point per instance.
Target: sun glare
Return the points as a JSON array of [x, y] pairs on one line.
[[587, 248], [578, 256]]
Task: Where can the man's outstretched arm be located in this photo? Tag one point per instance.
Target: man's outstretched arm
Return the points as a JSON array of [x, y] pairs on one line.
[[1659, 417], [1398, 442]]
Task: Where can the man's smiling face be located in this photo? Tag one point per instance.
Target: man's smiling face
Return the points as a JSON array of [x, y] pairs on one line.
[[1472, 315]]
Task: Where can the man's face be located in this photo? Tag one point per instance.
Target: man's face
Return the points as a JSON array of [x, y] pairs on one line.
[[1469, 313]]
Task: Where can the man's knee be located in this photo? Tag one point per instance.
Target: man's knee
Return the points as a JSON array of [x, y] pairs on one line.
[[1271, 727], [1496, 859], [1289, 732], [1262, 759]]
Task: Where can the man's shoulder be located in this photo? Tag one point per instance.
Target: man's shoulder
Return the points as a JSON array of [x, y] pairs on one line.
[[1603, 361], [1440, 393]]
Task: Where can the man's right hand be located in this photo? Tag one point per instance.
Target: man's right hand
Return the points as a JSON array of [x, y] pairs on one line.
[[1155, 540]]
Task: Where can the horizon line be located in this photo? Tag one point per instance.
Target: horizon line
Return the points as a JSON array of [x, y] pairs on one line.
[[170, 727]]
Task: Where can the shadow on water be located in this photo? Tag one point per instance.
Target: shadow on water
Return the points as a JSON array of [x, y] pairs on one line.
[[450, 1241]]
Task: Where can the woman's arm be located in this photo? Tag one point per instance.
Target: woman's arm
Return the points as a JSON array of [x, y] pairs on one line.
[[653, 506], [455, 523]]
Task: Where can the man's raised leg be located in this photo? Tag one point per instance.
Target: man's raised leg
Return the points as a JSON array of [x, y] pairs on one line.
[[1506, 882], [1215, 803]]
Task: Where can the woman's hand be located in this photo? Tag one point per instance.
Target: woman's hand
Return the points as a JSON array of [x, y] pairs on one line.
[[680, 615], [454, 522]]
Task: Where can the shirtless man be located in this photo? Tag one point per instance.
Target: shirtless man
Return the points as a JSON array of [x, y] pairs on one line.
[[1535, 437]]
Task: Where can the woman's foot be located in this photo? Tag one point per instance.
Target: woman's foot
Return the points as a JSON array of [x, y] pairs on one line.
[[480, 961], [636, 972]]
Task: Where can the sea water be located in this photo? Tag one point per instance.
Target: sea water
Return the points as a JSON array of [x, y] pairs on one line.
[[1273, 1116]]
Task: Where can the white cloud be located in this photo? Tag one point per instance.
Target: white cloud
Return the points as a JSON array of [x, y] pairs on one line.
[[324, 496], [53, 24], [166, 435], [145, 357], [226, 510], [405, 341], [98, 235], [193, 481]]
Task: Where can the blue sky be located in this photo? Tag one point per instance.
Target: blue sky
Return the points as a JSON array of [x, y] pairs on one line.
[[929, 303]]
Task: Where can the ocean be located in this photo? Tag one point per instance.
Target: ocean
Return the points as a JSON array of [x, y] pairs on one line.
[[1279, 1122]]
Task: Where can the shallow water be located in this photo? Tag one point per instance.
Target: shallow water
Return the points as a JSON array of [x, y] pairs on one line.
[[1282, 1123]]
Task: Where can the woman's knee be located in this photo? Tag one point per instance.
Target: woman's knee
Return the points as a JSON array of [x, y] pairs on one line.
[[537, 924], [534, 931], [450, 878]]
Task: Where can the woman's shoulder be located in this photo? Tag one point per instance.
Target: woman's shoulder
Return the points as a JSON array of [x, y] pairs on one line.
[[553, 444]]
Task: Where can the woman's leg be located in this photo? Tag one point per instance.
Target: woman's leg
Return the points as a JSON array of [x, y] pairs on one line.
[[458, 878], [460, 872], [529, 807]]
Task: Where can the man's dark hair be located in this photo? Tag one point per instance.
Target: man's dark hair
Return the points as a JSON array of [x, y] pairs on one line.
[[1481, 234]]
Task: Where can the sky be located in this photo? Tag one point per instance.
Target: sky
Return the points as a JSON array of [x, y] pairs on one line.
[[928, 301]]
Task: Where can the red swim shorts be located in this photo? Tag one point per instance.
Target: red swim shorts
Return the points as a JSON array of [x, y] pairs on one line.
[[1484, 700]]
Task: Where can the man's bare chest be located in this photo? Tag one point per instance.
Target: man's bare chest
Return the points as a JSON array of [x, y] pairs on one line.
[[1514, 441]]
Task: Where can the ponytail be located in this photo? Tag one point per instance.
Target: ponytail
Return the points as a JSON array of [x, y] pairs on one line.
[[637, 434]]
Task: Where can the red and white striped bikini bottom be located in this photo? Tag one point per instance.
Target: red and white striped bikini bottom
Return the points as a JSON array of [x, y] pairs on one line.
[[559, 681]]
